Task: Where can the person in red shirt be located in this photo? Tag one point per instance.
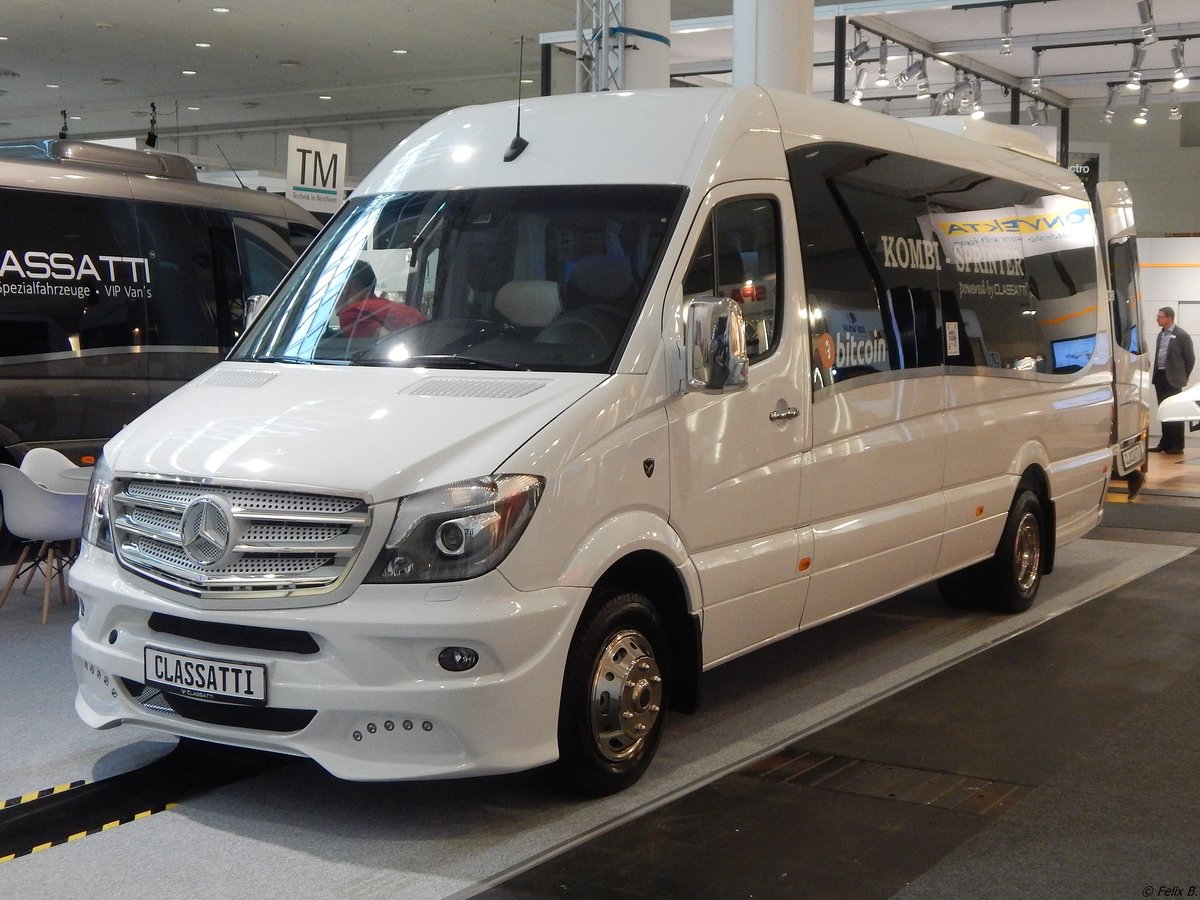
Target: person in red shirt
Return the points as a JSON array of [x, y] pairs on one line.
[[366, 315]]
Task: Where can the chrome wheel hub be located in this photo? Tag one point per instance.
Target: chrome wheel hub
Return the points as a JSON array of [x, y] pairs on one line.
[[626, 696], [1027, 555]]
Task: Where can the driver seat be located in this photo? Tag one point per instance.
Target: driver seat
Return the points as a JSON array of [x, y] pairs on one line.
[[601, 279]]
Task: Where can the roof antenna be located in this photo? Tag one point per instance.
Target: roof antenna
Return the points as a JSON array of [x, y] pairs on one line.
[[519, 143], [232, 169]]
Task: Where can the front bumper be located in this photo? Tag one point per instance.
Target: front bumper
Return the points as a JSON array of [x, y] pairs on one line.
[[366, 698]]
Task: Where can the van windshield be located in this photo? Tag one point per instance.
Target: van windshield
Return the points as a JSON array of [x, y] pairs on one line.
[[539, 278]]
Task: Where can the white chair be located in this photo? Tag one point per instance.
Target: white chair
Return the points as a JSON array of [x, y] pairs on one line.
[[52, 470], [50, 522]]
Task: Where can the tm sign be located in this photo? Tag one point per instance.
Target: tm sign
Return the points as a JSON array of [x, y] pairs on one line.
[[316, 173]]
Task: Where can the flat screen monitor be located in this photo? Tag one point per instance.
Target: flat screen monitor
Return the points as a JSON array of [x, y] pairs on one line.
[[1072, 354]]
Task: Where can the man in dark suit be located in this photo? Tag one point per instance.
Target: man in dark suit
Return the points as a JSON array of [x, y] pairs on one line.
[[1173, 362]]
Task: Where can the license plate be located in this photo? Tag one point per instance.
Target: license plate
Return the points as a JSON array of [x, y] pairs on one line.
[[1132, 456], [206, 678]]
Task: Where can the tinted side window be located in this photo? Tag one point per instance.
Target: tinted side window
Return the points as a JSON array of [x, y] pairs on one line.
[[182, 242], [300, 235], [1021, 277], [262, 268], [870, 268], [1123, 263], [71, 274], [910, 263], [745, 267]]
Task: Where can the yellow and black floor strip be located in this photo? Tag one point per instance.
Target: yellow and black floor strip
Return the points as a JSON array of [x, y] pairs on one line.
[[38, 795], [59, 815]]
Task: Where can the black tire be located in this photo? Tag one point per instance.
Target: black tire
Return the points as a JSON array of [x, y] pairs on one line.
[[614, 696], [961, 589], [1009, 581]]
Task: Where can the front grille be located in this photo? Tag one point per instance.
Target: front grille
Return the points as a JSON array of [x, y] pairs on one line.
[[278, 541], [260, 718], [252, 637]]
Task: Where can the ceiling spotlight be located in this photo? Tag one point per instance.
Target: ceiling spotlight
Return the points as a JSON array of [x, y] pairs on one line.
[[977, 103], [152, 134], [1110, 105], [961, 92], [860, 84], [1035, 83], [882, 80], [1146, 14], [961, 85], [1037, 113], [1134, 80], [1181, 76], [1006, 30], [62, 133], [1143, 113], [923, 81], [859, 51], [1174, 113], [913, 70]]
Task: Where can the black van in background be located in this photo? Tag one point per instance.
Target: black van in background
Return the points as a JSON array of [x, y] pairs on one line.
[[121, 278]]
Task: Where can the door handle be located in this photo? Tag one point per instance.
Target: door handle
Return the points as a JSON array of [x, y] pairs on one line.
[[778, 414]]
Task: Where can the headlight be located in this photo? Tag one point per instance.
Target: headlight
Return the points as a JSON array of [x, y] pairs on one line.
[[457, 531], [96, 529]]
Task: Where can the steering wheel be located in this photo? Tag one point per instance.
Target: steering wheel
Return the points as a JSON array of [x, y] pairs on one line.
[[574, 329]]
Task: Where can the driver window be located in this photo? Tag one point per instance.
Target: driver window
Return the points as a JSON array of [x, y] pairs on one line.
[[737, 256]]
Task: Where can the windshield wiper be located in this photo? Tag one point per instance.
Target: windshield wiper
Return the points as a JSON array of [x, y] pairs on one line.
[[280, 359], [444, 361]]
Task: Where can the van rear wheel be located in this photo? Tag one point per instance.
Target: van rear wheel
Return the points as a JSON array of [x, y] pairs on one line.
[[614, 696], [1009, 581]]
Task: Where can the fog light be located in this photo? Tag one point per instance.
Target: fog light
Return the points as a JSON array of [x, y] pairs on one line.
[[458, 659]]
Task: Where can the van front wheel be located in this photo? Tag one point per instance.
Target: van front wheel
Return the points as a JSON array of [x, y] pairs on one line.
[[614, 696]]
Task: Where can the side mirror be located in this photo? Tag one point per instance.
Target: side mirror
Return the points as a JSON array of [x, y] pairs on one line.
[[254, 305], [716, 345]]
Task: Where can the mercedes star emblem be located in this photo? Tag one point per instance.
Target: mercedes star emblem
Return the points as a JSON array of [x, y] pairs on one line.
[[206, 531]]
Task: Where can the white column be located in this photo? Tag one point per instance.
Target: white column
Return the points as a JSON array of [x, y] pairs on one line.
[[772, 44], [647, 59]]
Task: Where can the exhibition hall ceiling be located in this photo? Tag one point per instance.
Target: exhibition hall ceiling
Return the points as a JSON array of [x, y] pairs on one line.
[[288, 64]]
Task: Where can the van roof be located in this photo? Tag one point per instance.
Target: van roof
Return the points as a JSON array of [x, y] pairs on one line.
[[688, 136], [85, 153], [79, 167]]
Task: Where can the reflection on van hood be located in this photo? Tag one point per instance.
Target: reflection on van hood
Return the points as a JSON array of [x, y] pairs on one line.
[[380, 432]]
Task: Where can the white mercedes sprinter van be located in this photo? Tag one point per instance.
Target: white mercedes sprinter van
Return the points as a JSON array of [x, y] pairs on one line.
[[540, 429]]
